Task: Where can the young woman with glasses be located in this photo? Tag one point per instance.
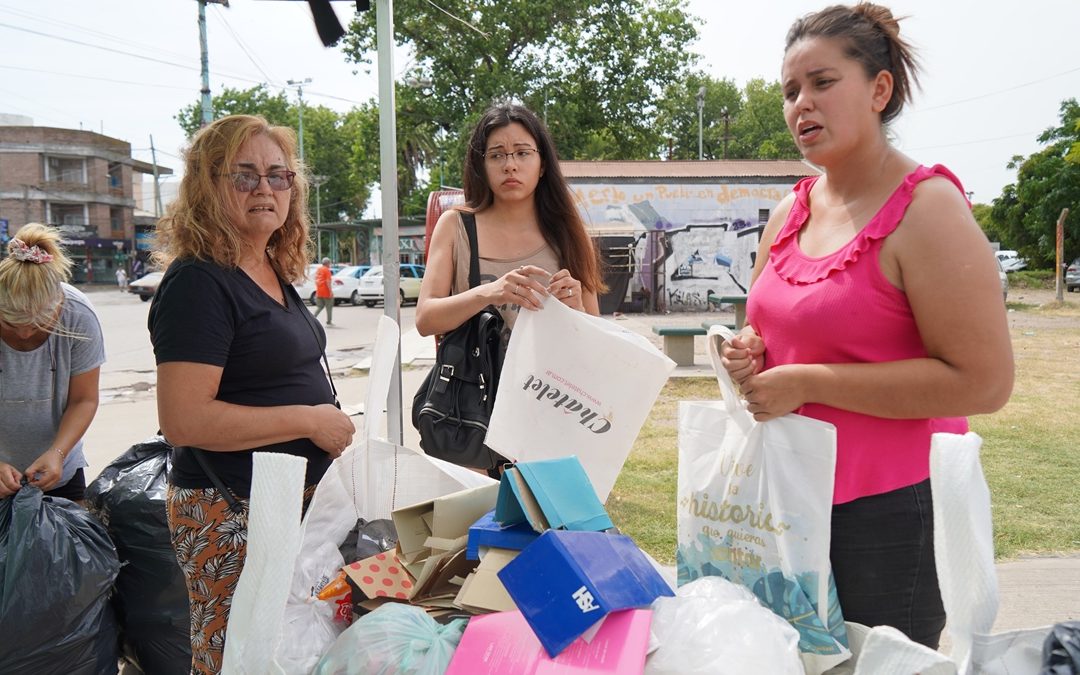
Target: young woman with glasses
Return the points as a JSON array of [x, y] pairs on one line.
[[238, 354], [532, 241], [875, 306], [51, 351]]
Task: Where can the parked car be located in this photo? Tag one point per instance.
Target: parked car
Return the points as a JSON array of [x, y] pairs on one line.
[[1004, 281], [1072, 276], [370, 290], [145, 286], [305, 288], [345, 283], [1011, 261]]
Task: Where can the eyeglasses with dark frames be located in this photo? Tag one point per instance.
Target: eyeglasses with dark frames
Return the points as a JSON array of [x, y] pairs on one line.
[[246, 181]]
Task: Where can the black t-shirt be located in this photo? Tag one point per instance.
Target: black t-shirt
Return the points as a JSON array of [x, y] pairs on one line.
[[270, 355]]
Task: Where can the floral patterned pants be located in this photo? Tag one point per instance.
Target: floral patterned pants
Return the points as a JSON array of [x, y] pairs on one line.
[[210, 542]]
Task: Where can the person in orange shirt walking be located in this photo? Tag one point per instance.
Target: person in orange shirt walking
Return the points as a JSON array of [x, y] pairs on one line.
[[324, 296]]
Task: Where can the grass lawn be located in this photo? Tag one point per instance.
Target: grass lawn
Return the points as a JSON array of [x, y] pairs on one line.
[[1030, 455]]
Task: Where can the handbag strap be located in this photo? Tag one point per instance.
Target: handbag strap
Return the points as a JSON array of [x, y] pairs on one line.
[[230, 498], [469, 221]]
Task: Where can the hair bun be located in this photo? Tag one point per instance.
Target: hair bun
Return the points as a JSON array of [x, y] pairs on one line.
[[880, 16]]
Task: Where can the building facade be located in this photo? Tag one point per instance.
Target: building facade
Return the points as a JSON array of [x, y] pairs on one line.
[[79, 182]]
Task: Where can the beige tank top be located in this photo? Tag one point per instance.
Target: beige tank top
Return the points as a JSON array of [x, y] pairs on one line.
[[545, 257]]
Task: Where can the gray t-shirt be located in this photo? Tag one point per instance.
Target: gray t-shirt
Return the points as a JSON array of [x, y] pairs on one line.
[[34, 385]]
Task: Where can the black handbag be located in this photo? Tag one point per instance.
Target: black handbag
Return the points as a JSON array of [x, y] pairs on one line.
[[451, 409]]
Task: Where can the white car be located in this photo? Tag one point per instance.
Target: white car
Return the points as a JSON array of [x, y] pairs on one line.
[[146, 286], [370, 290], [345, 283], [1011, 261]]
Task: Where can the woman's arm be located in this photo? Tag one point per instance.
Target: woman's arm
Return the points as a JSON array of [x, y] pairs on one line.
[[189, 414], [438, 312], [82, 405], [940, 258]]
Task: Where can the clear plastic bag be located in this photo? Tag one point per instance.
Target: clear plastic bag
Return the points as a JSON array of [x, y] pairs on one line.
[[396, 639], [714, 627]]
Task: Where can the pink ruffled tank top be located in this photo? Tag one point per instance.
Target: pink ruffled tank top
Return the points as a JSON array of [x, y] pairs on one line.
[[840, 308]]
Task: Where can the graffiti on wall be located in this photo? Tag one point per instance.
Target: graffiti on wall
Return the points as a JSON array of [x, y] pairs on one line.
[[711, 232]]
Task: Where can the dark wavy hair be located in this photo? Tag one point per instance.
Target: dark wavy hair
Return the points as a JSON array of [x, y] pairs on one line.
[[560, 220], [872, 37]]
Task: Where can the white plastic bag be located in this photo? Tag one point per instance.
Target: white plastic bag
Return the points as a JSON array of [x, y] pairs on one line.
[[276, 626], [575, 384], [713, 626], [964, 555], [754, 506]]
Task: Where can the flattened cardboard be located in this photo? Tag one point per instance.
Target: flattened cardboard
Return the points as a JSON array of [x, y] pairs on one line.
[[381, 576], [447, 517], [483, 590], [550, 494], [567, 581], [503, 644]]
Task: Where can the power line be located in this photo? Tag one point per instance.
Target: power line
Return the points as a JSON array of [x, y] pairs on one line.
[[92, 77], [243, 47], [1028, 134], [995, 93]]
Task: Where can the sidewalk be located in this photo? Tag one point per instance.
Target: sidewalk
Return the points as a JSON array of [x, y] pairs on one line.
[[1034, 591]]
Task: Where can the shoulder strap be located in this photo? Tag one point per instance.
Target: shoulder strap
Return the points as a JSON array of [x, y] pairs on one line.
[[469, 221]]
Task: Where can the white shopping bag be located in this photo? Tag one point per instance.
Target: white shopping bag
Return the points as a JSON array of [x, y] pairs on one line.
[[276, 626], [575, 384], [964, 555], [754, 506]]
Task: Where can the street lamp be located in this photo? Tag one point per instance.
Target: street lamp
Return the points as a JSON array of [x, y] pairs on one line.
[[299, 84], [700, 110]]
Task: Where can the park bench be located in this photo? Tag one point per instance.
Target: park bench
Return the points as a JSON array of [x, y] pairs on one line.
[[679, 342], [739, 301]]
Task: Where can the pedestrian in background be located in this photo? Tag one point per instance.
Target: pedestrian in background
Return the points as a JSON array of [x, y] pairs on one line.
[[324, 294], [121, 279], [51, 351], [875, 306], [238, 355]]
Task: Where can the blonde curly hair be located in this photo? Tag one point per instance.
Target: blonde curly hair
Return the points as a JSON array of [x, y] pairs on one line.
[[197, 224]]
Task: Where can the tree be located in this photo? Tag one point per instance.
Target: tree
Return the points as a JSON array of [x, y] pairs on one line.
[[345, 193], [593, 69], [755, 127], [1026, 213]]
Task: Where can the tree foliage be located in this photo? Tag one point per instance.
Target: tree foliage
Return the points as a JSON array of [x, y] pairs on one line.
[[593, 69], [1026, 213]]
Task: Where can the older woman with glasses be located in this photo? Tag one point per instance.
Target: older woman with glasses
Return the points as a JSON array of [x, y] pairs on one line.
[[531, 239], [51, 351], [238, 353]]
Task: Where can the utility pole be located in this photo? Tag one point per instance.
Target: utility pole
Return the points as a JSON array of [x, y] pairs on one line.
[[727, 118], [1059, 254], [157, 180], [299, 84], [700, 110], [207, 103]]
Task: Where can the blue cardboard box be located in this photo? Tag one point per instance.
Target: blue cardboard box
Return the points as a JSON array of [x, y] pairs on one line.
[[566, 581], [487, 532], [550, 494]]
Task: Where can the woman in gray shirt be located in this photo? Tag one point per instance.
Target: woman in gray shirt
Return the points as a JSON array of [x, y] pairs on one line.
[[51, 351]]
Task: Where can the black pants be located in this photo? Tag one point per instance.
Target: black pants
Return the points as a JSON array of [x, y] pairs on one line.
[[74, 489], [883, 561]]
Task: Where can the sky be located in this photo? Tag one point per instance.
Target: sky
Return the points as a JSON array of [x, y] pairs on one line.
[[994, 74]]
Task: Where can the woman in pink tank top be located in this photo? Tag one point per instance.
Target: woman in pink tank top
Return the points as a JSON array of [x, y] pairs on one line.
[[875, 306]]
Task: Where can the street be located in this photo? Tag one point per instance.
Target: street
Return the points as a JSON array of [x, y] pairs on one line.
[[128, 410]]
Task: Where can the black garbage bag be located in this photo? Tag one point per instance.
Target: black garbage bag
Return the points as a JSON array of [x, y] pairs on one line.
[[151, 598], [57, 568], [1061, 650]]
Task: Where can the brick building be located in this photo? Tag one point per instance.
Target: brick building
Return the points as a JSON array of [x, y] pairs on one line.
[[79, 182]]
